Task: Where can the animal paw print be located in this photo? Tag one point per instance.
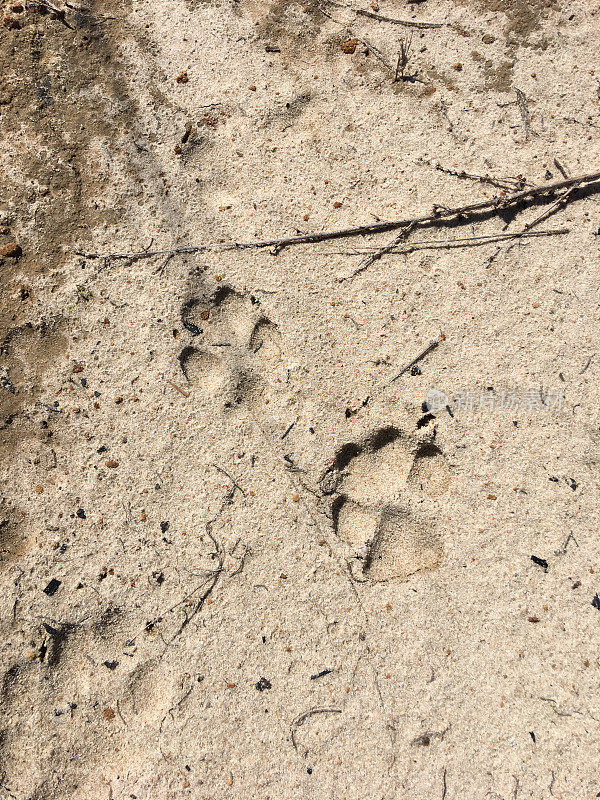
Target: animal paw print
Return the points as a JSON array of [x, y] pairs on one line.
[[382, 493], [235, 348]]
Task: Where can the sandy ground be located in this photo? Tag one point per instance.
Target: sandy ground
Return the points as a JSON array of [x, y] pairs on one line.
[[224, 572]]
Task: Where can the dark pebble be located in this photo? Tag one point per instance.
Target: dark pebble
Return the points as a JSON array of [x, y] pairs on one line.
[[541, 562], [52, 587]]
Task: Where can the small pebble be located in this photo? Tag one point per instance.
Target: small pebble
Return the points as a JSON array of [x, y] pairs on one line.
[[12, 250], [52, 587]]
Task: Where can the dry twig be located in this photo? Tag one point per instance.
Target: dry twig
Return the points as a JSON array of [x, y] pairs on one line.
[[462, 213], [407, 23], [470, 241], [508, 184], [307, 714], [370, 259], [350, 412], [467, 241]]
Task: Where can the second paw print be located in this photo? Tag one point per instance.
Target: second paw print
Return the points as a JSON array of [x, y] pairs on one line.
[[234, 350]]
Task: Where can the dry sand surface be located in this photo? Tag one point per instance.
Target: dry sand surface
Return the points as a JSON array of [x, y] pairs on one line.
[[243, 552]]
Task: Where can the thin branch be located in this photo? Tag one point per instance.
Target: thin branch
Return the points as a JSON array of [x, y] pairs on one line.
[[179, 389], [431, 346], [211, 576], [370, 259], [471, 241], [350, 412], [440, 213], [376, 52], [303, 717], [175, 251], [560, 203], [199, 603], [382, 18], [508, 184], [227, 475], [561, 168], [467, 241]]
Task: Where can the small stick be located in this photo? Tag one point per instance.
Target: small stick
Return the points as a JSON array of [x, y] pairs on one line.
[[381, 252], [431, 346], [179, 389], [303, 717], [436, 244], [495, 204], [382, 18], [563, 170], [578, 122], [472, 241], [589, 361], [175, 251], [289, 428], [500, 183], [440, 213], [210, 576], [350, 412], [376, 52], [562, 201], [227, 475]]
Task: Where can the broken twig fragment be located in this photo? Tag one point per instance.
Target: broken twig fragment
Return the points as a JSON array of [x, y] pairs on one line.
[[303, 717], [350, 412], [541, 562], [178, 388]]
